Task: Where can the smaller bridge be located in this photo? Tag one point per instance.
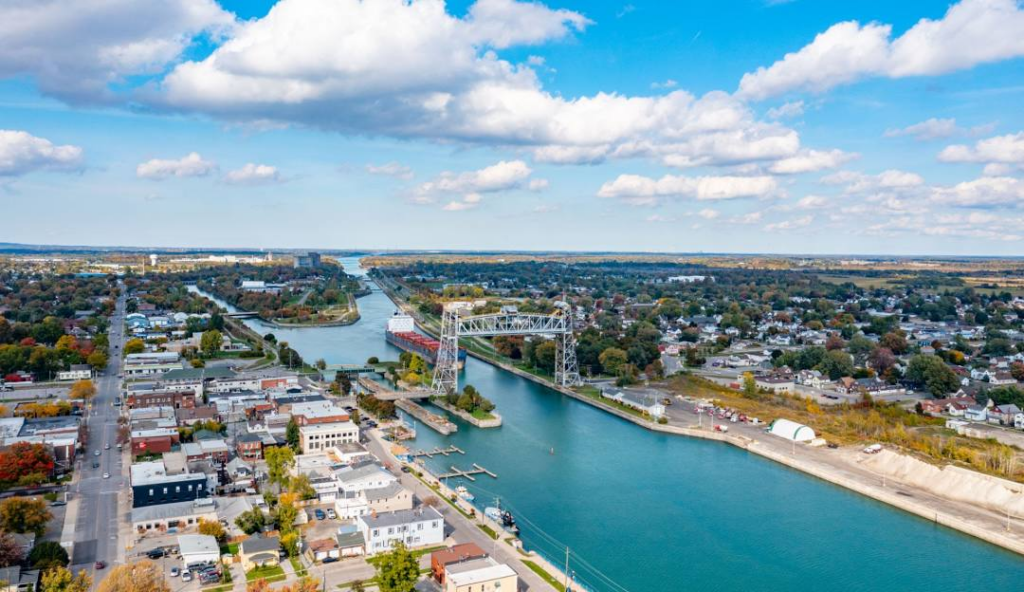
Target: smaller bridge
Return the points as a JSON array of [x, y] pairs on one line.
[[242, 315]]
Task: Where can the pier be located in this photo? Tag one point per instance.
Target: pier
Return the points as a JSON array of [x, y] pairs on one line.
[[467, 474], [431, 420], [438, 451], [383, 393]]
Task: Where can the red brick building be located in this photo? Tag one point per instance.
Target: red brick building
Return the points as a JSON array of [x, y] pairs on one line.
[[173, 399], [455, 554]]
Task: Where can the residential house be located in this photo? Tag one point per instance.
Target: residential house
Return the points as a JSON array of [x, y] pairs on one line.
[[421, 527], [454, 554], [257, 551]]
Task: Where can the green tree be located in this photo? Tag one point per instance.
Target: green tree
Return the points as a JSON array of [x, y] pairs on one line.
[[48, 554], [252, 521], [291, 434], [97, 359], [211, 341], [932, 372], [836, 364], [290, 543], [749, 385], [397, 570], [279, 460]]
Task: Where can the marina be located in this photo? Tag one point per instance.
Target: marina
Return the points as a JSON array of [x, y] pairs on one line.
[[437, 451]]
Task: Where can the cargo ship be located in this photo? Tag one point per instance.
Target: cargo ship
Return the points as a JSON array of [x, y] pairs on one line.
[[402, 334]]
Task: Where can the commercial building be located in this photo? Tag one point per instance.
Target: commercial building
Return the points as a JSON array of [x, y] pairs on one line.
[[170, 398], [152, 485], [76, 372], [173, 517], [480, 575], [198, 549], [319, 437], [455, 554]]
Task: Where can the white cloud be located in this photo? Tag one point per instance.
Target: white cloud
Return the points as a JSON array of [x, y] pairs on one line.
[[497, 177], [1000, 149], [748, 218], [21, 153], [983, 192], [638, 190], [856, 182], [708, 214], [191, 165], [790, 224], [253, 174], [537, 184], [811, 202], [997, 169], [391, 169], [787, 110], [669, 83], [811, 160], [659, 219], [504, 23], [76, 49], [930, 129], [972, 32]]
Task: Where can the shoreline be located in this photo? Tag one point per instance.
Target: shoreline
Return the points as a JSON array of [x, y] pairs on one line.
[[831, 475], [494, 422]]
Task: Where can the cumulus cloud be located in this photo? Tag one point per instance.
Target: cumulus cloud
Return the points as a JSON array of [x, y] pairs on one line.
[[981, 193], [75, 49], [537, 184], [856, 182], [391, 169], [191, 165], [253, 174], [638, 190], [708, 214], [971, 32], [21, 153], [503, 176], [811, 160], [1008, 149]]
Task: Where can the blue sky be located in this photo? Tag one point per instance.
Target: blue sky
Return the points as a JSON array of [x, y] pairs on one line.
[[733, 126]]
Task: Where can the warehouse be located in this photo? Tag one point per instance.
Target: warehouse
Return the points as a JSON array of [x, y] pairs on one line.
[[791, 430]]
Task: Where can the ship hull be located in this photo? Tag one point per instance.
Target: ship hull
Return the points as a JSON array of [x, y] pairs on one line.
[[425, 347]]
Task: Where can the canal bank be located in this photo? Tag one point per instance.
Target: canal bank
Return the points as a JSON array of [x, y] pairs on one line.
[[653, 511]]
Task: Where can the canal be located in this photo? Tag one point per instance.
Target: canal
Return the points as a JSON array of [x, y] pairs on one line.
[[642, 511]]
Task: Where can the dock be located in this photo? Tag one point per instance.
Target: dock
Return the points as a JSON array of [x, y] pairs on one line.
[[431, 420], [467, 474], [384, 393], [438, 451]]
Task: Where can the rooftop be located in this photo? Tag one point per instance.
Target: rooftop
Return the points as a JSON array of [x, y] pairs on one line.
[[421, 514]]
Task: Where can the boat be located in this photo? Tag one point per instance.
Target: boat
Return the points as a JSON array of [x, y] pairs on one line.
[[464, 493], [401, 333], [502, 517]]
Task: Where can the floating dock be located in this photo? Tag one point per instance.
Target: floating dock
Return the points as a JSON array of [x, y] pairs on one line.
[[437, 451], [467, 474]]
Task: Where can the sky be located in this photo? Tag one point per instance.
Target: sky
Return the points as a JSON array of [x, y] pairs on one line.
[[745, 126]]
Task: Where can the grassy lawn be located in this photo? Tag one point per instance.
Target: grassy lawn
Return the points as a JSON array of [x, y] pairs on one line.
[[481, 414], [274, 573], [229, 549], [417, 553], [490, 532], [297, 566], [544, 575]]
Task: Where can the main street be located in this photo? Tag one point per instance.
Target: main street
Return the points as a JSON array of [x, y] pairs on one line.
[[95, 500]]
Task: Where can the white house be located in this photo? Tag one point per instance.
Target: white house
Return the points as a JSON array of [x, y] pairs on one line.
[[421, 527], [76, 372], [362, 477]]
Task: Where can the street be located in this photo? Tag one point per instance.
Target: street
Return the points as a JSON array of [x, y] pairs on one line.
[[95, 504]]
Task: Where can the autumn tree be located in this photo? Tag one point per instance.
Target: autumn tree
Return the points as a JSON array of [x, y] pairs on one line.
[[214, 529], [134, 346], [23, 460], [97, 359], [60, 579], [397, 570], [11, 552], [279, 460], [140, 576], [83, 389], [20, 514]]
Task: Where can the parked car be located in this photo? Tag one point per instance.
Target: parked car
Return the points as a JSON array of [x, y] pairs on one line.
[[329, 559], [319, 514], [331, 514], [175, 572], [106, 475], [186, 576], [100, 565], [155, 553]]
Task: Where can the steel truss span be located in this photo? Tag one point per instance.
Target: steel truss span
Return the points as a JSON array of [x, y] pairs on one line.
[[455, 325]]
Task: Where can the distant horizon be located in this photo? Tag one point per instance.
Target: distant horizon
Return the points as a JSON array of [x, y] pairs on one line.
[[7, 248]]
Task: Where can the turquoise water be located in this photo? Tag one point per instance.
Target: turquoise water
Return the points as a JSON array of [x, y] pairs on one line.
[[657, 512]]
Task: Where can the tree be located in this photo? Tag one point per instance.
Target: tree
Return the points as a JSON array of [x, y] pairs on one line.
[[83, 389], [544, 356], [22, 459], [836, 364], [60, 579], [397, 570], [11, 552], [252, 521], [932, 372], [21, 514], [214, 529], [749, 385], [291, 434], [140, 576], [134, 346], [882, 359], [834, 341], [211, 341], [97, 359], [301, 487], [895, 341], [285, 513], [48, 554], [344, 383], [612, 360], [279, 460], [321, 364], [290, 543]]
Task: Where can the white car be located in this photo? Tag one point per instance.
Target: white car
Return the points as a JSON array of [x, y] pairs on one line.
[[106, 475]]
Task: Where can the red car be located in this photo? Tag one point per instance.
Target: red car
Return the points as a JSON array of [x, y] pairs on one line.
[[100, 565]]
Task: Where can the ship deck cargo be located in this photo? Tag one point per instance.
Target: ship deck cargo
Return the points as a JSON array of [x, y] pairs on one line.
[[426, 347]]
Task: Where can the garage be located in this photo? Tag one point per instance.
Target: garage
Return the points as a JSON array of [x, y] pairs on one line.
[[198, 549]]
